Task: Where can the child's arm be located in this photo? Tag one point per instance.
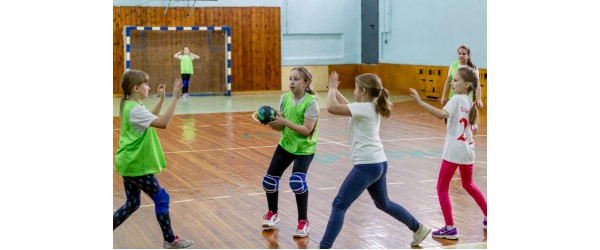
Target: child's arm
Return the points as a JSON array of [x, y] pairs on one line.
[[163, 120], [445, 92], [334, 105], [161, 94], [177, 54], [479, 102], [303, 129], [194, 56], [439, 113]]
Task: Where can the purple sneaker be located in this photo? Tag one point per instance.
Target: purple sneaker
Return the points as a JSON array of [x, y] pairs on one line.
[[444, 233], [485, 223]]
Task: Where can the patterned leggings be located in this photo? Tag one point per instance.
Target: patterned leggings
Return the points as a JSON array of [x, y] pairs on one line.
[[133, 187]]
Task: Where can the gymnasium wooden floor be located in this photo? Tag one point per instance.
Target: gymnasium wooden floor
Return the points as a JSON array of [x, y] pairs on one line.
[[216, 162]]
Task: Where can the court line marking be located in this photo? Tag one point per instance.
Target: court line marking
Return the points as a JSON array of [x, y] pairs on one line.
[[338, 143], [435, 157]]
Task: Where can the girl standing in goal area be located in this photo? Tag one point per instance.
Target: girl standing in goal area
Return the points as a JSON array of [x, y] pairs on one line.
[[187, 68]]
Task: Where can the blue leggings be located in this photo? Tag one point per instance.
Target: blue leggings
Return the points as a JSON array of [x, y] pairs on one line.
[[361, 177]]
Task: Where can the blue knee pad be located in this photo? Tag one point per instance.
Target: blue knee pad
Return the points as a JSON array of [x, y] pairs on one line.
[[161, 202], [185, 82], [298, 183], [271, 183]]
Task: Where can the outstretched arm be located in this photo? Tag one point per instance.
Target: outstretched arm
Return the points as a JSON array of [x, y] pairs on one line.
[[163, 120], [337, 104], [439, 113]]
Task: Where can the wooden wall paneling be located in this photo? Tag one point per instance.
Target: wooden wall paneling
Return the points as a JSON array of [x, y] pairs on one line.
[[237, 74], [117, 51], [346, 73]]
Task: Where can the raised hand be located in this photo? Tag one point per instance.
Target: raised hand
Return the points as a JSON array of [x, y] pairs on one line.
[[333, 80]]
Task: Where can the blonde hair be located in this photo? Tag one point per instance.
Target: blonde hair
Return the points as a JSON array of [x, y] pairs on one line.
[[130, 79], [374, 88]]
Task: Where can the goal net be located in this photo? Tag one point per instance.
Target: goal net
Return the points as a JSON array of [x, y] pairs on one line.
[[151, 49]]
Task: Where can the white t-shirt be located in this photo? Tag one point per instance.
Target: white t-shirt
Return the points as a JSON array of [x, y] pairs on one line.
[[140, 118], [365, 143], [312, 111], [459, 146]]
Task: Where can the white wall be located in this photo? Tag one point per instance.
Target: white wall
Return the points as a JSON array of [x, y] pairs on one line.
[[318, 32], [429, 32]]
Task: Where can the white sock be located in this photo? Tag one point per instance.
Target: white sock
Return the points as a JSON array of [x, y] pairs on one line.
[[449, 227]]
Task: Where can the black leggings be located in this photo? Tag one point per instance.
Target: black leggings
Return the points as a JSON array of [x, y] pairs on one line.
[[281, 160], [133, 187]]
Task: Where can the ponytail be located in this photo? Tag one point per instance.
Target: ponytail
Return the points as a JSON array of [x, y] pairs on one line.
[[383, 105], [474, 113]]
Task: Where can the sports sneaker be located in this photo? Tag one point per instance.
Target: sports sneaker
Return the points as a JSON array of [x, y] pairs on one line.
[[270, 221], [445, 233], [420, 235], [485, 223], [178, 243], [302, 229]]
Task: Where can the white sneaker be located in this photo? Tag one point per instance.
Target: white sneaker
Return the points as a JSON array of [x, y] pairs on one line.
[[270, 221], [420, 235], [178, 243], [302, 229]]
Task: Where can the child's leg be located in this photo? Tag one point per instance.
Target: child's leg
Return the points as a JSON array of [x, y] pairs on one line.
[[299, 185], [149, 184], [466, 175], [185, 80], [280, 161], [378, 192], [359, 178], [132, 192], [446, 172]]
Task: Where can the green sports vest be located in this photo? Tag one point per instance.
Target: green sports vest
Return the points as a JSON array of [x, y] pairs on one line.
[[453, 69], [186, 65], [138, 154], [290, 140]]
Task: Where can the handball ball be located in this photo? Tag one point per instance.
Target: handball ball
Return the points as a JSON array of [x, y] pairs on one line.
[[265, 114]]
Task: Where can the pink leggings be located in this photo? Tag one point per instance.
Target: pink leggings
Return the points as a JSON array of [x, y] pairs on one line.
[[466, 175]]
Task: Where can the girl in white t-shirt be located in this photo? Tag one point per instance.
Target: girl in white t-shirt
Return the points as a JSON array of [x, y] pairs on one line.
[[368, 157], [459, 148]]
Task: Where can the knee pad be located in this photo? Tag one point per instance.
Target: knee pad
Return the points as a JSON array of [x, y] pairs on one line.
[[298, 183], [271, 183], [185, 82], [161, 202]]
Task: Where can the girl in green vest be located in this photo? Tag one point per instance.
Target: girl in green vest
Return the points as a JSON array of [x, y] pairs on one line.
[[464, 60], [140, 155], [297, 119], [187, 68]]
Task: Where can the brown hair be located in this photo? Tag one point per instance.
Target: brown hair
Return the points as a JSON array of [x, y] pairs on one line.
[[469, 75], [130, 79], [372, 84], [469, 61], [307, 77]]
